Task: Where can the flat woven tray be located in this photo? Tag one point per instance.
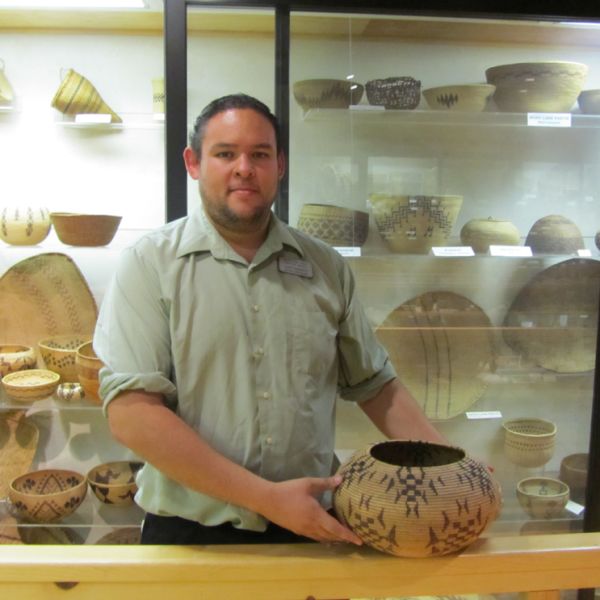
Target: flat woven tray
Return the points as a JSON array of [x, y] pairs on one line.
[[441, 345], [18, 443], [43, 296], [553, 319]]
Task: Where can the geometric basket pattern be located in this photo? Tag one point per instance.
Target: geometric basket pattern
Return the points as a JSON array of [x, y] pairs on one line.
[[420, 508]]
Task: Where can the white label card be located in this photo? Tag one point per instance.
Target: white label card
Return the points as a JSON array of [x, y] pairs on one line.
[[510, 250], [484, 414], [574, 508], [452, 251], [584, 253], [92, 118], [348, 250], [549, 119]]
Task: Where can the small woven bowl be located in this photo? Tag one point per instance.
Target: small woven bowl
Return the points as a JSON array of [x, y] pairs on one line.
[[327, 93], [589, 102], [88, 367], [574, 472], [15, 357], [461, 98], [529, 442], [77, 229], [394, 92], [48, 495], [58, 353], [542, 497], [114, 482], [30, 385]]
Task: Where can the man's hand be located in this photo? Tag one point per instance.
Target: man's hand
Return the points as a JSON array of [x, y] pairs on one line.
[[293, 504]]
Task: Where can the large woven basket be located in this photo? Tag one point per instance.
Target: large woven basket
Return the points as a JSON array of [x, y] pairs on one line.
[[553, 319], [414, 224], [335, 225], [416, 499], [441, 346], [550, 86], [554, 234], [76, 95]]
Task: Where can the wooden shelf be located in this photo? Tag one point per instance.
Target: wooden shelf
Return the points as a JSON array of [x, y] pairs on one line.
[[243, 20]]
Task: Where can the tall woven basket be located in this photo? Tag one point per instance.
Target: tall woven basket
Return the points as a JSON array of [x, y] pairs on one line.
[[416, 499]]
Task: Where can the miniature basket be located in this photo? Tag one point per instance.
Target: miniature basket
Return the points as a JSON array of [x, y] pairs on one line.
[[529, 442], [335, 225], [416, 499], [394, 92]]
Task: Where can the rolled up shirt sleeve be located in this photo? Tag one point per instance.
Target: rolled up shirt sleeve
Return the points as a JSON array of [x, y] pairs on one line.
[[132, 335], [364, 365]]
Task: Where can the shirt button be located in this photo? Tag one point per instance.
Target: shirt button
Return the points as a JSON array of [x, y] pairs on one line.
[[255, 308], [269, 440], [266, 395]]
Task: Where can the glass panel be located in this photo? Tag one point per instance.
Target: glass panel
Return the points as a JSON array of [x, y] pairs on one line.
[[80, 134], [229, 51], [479, 270]]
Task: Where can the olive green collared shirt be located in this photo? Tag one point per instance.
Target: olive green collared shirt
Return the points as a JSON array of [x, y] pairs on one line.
[[252, 356]]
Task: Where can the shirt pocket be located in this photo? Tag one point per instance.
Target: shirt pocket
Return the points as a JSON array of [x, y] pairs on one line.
[[313, 354]]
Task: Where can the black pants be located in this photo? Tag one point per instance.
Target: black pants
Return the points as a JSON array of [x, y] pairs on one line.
[[175, 530]]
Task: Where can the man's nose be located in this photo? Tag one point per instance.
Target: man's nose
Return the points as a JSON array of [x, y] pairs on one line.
[[244, 166]]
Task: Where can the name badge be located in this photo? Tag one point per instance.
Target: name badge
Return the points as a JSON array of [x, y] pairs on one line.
[[295, 266]]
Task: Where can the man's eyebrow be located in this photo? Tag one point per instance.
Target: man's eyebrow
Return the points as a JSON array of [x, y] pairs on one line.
[[225, 145]]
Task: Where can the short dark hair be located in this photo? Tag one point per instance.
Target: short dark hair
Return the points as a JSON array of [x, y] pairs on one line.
[[229, 102]]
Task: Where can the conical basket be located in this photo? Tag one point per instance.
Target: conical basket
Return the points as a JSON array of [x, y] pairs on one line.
[[416, 499], [76, 95]]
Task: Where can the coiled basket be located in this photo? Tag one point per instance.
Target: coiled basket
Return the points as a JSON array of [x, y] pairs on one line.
[[416, 499]]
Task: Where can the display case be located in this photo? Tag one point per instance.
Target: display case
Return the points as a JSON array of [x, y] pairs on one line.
[[454, 204], [496, 339]]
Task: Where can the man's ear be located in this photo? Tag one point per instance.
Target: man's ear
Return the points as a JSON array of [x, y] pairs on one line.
[[192, 163], [281, 165]]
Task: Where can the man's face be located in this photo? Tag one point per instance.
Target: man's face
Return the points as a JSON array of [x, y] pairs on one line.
[[239, 169]]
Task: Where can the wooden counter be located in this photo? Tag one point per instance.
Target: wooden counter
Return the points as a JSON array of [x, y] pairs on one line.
[[540, 565]]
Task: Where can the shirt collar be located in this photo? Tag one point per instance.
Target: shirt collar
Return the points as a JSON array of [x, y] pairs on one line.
[[200, 235]]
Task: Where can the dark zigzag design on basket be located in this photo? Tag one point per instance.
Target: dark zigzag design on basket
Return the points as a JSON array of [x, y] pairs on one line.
[[447, 100], [336, 90], [455, 535], [400, 216], [30, 290], [67, 298]]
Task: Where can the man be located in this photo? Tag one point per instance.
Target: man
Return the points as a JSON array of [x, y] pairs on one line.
[[226, 337]]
